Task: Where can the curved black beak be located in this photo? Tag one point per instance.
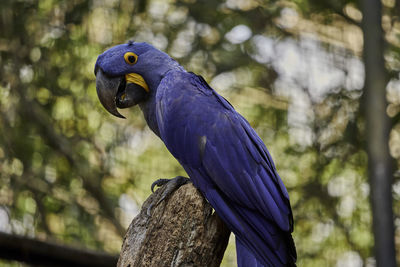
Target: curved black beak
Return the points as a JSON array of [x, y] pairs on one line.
[[107, 89]]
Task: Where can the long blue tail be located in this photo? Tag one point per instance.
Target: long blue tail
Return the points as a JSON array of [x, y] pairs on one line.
[[246, 259]]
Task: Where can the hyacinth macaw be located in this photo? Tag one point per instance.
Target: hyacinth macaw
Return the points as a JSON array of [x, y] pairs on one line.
[[222, 154]]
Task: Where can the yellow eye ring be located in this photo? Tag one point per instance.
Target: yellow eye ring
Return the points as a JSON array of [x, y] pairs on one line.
[[130, 58]]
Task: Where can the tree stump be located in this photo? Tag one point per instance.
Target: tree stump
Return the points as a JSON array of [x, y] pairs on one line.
[[182, 230]]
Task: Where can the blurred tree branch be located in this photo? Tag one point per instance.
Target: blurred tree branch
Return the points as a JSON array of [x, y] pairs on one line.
[[377, 131], [36, 252], [90, 177]]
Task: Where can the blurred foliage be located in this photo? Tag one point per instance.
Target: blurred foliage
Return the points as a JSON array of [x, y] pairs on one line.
[[71, 172]]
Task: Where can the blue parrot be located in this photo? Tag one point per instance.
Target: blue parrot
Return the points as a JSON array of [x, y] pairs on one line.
[[224, 157]]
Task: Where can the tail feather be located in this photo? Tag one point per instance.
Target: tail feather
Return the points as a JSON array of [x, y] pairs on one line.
[[247, 259], [292, 251], [244, 257]]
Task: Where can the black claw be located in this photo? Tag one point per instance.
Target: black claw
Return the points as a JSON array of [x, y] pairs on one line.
[[175, 182], [159, 183], [172, 185]]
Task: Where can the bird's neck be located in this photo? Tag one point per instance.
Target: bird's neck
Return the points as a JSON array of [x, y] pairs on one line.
[[149, 111], [149, 107]]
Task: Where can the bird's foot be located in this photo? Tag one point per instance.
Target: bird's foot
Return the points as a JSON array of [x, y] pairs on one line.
[[174, 182], [172, 185]]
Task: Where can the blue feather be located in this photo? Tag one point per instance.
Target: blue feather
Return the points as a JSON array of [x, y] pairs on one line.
[[224, 157], [233, 169]]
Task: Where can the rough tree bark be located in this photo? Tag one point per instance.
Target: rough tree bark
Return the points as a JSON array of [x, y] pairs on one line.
[[377, 132], [181, 230]]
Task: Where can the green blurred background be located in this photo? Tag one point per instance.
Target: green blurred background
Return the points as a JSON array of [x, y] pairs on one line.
[[72, 173]]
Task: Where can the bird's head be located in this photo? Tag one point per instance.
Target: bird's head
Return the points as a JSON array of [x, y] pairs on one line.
[[129, 74]]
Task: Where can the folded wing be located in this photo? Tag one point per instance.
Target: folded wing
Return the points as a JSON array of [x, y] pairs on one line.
[[229, 163]]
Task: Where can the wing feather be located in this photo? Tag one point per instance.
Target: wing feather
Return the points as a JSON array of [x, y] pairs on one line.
[[232, 166]]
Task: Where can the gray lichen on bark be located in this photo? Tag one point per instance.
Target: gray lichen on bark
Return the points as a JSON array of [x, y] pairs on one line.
[[181, 230]]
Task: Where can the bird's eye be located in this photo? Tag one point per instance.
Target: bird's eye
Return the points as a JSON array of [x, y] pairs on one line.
[[130, 58]]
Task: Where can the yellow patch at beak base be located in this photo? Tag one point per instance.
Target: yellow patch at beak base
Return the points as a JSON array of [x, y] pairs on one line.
[[137, 79]]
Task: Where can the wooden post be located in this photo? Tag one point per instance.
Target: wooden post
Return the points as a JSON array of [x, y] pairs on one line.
[[181, 230]]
